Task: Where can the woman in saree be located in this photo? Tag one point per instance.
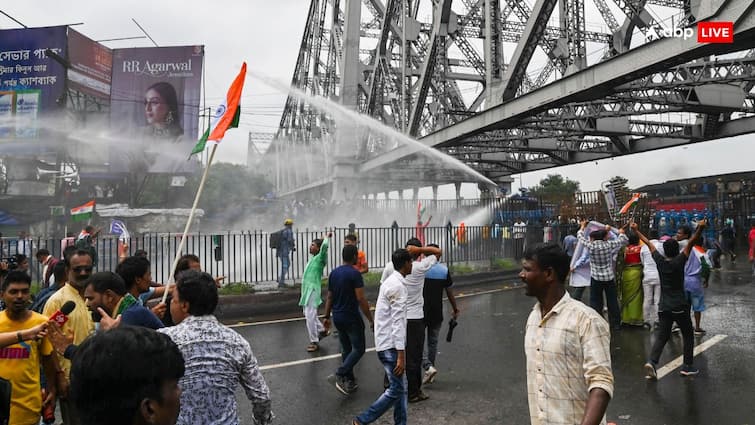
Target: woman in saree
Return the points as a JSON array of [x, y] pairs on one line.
[[631, 283]]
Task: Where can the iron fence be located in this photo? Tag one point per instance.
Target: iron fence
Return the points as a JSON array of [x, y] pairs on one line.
[[245, 256]]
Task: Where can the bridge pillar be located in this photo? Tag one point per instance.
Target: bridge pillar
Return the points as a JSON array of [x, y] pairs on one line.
[[457, 186]]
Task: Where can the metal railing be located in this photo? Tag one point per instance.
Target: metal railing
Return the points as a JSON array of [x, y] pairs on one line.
[[245, 256]]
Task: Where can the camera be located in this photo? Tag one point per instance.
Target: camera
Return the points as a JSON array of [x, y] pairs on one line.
[[10, 262]]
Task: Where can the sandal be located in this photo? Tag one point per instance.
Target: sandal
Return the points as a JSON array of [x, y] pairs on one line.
[[312, 347]]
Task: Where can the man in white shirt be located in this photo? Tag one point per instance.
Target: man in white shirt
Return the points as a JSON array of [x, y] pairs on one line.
[[651, 282], [390, 341], [415, 302]]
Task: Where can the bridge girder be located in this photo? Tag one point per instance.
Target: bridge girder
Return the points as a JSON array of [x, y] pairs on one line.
[[622, 103]]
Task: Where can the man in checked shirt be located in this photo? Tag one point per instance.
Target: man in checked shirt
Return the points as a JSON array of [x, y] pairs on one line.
[[567, 344], [603, 270]]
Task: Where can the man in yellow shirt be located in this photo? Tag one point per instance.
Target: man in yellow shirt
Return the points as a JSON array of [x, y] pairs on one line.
[[80, 324], [19, 363]]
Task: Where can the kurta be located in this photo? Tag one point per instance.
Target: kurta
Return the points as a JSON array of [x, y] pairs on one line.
[[311, 283]]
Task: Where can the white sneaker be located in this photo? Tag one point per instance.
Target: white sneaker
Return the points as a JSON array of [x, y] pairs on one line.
[[429, 375]]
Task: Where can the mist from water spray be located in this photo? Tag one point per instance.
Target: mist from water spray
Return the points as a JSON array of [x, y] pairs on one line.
[[480, 217], [338, 110]]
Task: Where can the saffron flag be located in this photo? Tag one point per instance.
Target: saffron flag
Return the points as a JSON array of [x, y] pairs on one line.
[[226, 115], [632, 201], [83, 212]]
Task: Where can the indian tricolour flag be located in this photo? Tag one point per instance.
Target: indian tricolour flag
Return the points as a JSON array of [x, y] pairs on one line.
[[83, 212], [226, 115], [632, 201]]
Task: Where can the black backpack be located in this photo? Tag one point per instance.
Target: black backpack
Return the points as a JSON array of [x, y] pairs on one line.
[[275, 239]]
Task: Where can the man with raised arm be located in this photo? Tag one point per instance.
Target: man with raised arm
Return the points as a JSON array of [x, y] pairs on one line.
[[674, 306]]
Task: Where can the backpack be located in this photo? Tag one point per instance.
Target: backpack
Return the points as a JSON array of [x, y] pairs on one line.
[[275, 239]]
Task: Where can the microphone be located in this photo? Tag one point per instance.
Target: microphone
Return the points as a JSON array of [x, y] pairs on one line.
[[61, 316]]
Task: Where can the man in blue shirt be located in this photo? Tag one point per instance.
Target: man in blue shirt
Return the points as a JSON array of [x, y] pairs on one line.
[[107, 290], [345, 299], [570, 243]]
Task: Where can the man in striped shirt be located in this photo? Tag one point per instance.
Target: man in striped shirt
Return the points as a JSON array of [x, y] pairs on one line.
[[603, 270]]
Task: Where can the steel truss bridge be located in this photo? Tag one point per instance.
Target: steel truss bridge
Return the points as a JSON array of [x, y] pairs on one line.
[[505, 86]]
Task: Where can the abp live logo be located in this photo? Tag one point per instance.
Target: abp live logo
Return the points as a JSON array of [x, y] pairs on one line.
[[715, 32], [707, 32]]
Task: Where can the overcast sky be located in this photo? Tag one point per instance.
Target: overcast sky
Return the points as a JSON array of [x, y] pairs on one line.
[[266, 34]]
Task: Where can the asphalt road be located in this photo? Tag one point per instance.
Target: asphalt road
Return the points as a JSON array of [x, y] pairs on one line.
[[482, 372]]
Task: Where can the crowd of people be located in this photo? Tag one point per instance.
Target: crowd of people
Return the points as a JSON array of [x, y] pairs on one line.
[[105, 348]]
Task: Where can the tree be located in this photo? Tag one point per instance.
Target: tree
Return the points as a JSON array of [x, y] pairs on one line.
[[227, 185], [554, 188]]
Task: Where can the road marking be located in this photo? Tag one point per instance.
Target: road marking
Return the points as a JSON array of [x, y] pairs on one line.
[[673, 364], [298, 319], [312, 360]]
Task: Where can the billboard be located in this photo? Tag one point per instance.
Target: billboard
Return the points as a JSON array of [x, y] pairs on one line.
[[31, 82], [91, 65], [154, 106]]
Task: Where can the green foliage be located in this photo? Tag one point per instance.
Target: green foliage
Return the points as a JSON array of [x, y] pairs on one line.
[[236, 289], [554, 188], [225, 182], [461, 269], [504, 264]]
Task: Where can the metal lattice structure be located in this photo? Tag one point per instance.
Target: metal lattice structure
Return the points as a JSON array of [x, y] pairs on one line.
[[507, 86]]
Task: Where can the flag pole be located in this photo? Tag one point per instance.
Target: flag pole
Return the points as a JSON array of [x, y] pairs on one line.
[[188, 223]]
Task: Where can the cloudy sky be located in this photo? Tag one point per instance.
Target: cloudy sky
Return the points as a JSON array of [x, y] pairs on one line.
[[266, 34]]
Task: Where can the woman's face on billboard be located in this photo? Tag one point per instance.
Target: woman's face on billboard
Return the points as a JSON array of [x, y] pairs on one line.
[[155, 108]]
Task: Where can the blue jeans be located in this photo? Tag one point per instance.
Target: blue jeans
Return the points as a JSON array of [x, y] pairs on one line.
[[285, 264], [351, 335], [394, 395], [596, 300], [433, 330]]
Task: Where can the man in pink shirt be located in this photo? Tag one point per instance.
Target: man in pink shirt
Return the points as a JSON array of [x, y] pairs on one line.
[[751, 253]]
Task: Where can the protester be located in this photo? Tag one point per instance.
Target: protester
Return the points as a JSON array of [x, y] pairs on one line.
[[569, 377], [286, 247], [217, 358], [311, 291], [631, 283], [602, 272], [107, 290], [728, 239], [437, 281], [79, 324], [20, 362], [570, 243], [579, 278], [57, 281], [48, 263], [86, 242], [345, 299], [135, 272], [361, 264], [415, 326], [696, 274], [127, 376], [651, 282], [390, 339], [674, 306]]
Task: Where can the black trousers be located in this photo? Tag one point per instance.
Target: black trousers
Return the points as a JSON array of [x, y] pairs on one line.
[[665, 321], [415, 343]]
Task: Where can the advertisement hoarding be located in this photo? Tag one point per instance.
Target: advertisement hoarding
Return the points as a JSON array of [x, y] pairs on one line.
[[154, 105], [31, 82], [91, 65]]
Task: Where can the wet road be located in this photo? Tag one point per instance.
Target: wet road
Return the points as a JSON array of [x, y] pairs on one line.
[[482, 372]]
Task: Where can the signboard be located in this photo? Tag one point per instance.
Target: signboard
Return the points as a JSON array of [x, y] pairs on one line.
[[31, 82], [154, 106], [91, 65]]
